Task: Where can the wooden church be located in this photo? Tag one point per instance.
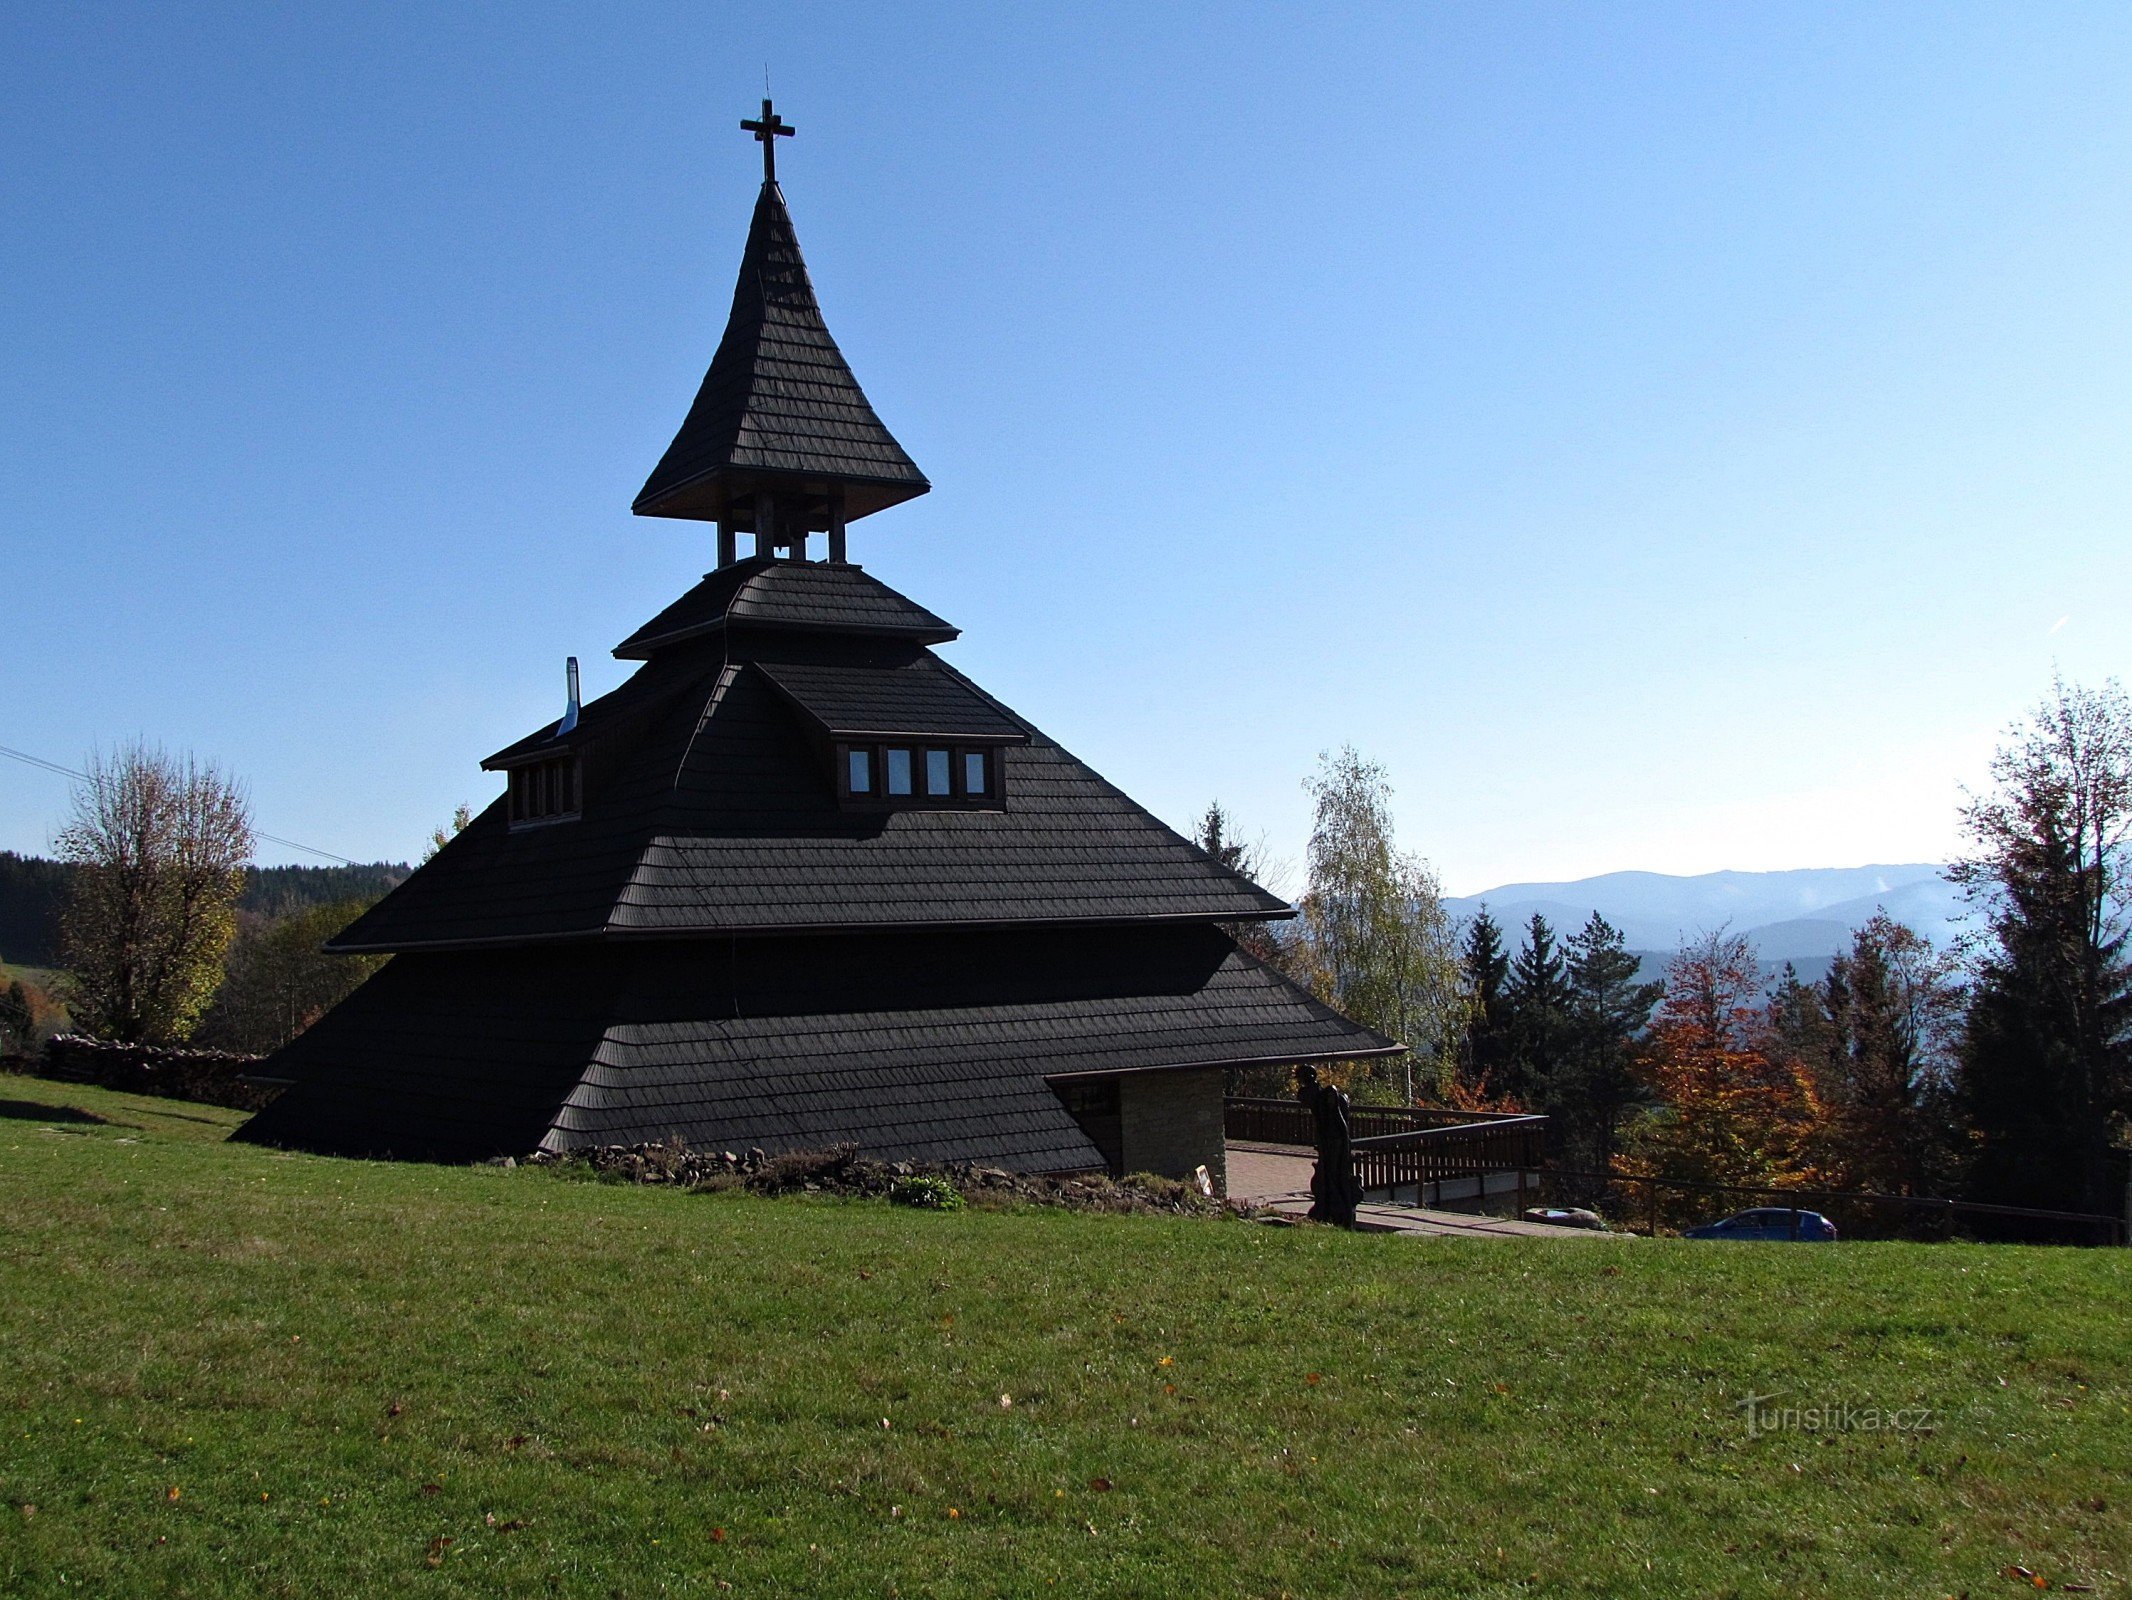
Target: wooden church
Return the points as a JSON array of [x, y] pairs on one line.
[[798, 882]]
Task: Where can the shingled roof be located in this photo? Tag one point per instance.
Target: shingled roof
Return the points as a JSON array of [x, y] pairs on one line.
[[817, 596], [937, 1047], [716, 815], [920, 700], [779, 407]]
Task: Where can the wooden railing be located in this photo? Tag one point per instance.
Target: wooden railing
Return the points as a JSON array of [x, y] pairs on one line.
[[1398, 1147], [1267, 1121], [1462, 1150]]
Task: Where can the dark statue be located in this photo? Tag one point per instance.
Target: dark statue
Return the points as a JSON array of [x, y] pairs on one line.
[[1334, 1193]]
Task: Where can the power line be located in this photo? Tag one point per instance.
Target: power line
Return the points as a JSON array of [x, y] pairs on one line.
[[82, 777]]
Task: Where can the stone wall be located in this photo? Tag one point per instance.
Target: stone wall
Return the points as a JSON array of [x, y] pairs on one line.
[[205, 1077], [1172, 1122]]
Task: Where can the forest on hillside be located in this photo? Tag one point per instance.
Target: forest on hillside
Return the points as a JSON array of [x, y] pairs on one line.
[[33, 888]]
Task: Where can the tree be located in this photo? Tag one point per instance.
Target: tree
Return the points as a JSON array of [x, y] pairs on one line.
[[1887, 1062], [18, 1020], [1725, 1112], [1608, 1010], [1537, 998], [158, 844], [281, 980], [1377, 942], [462, 814], [1798, 1024], [1217, 836], [1485, 1059], [2046, 1067]]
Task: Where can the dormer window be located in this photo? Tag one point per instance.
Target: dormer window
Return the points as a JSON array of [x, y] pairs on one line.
[[544, 779], [909, 737], [546, 791], [947, 775]]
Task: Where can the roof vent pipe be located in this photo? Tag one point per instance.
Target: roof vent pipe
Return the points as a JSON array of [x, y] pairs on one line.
[[569, 722]]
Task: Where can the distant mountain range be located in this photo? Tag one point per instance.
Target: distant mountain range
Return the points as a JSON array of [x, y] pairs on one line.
[[1805, 916]]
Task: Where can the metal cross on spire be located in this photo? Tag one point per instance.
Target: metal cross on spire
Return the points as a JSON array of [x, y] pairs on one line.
[[767, 132]]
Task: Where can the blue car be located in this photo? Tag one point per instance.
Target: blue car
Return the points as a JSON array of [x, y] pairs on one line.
[[1768, 1222]]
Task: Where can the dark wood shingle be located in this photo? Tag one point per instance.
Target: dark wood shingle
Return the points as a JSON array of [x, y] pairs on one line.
[[778, 406]]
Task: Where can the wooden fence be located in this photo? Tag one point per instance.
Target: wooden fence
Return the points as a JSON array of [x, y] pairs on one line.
[[1267, 1121], [1428, 1156], [1401, 1148]]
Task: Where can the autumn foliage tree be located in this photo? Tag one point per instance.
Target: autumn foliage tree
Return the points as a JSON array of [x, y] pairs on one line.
[[1723, 1111]]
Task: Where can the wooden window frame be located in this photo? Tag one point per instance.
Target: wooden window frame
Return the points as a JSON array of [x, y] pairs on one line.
[[959, 796], [540, 792]]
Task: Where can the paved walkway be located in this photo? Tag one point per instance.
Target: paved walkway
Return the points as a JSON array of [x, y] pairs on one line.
[[1277, 1177], [1267, 1172]]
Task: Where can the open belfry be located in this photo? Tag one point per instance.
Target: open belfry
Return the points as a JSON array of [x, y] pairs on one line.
[[797, 882]]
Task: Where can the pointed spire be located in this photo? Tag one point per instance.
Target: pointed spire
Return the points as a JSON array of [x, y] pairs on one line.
[[780, 431]]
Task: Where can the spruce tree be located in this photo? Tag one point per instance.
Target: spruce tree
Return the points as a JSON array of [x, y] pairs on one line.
[[1218, 837], [2047, 1059], [1886, 1070], [1485, 1057], [1608, 1009], [1804, 1018], [1538, 998]]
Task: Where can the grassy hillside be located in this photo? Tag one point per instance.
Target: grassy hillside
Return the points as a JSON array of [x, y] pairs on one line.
[[235, 1372], [46, 1006], [45, 978]]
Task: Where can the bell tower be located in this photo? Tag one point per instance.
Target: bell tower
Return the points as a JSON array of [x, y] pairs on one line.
[[781, 442]]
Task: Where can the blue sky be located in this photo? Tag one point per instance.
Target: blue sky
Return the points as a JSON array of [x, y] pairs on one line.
[[1665, 436]]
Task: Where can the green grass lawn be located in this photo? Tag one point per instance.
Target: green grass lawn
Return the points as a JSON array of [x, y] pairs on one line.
[[226, 1371]]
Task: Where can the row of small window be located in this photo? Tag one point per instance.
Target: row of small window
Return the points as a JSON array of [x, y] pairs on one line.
[[546, 789], [900, 771]]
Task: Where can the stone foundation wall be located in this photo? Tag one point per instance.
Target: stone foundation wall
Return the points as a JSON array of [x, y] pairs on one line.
[[205, 1077], [1172, 1122]]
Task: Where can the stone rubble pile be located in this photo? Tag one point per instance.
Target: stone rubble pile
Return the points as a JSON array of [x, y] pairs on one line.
[[843, 1171]]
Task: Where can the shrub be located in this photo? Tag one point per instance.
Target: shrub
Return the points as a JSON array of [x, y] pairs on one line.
[[927, 1194]]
